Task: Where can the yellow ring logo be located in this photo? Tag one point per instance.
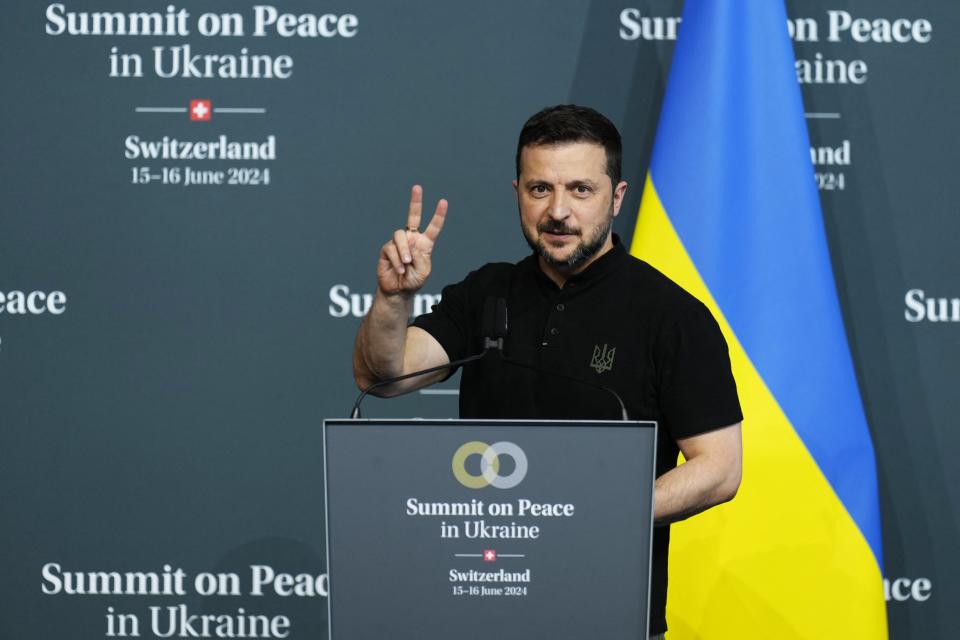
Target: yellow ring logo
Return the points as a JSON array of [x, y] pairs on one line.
[[489, 465]]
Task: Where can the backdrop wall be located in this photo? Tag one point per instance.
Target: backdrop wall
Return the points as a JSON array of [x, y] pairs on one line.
[[192, 204]]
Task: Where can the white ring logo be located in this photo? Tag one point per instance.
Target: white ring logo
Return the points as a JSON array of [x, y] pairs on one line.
[[489, 465]]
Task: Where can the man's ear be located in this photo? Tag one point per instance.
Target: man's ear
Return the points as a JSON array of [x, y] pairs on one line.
[[618, 194]]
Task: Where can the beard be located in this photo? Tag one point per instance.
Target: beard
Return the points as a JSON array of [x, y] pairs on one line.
[[583, 252]]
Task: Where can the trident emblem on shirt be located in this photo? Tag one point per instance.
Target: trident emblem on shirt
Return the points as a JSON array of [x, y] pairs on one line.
[[602, 358]]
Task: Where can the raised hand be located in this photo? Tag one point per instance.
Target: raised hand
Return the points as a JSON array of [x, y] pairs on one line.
[[404, 264]]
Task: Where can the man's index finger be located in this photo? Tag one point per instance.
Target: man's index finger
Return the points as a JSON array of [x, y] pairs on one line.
[[416, 207]]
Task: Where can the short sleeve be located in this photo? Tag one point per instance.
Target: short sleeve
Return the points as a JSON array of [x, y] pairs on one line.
[[696, 386]]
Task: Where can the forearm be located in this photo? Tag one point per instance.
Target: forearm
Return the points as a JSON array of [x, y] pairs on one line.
[[381, 341], [694, 486], [385, 347]]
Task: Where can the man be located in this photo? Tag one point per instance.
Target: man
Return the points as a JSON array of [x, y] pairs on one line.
[[579, 306]]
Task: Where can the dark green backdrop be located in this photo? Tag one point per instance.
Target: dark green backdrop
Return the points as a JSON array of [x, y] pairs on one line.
[[170, 415]]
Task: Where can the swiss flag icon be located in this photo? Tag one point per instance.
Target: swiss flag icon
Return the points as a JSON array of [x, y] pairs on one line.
[[201, 110], [489, 555]]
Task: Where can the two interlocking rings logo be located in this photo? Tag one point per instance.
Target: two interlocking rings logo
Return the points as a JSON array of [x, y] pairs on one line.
[[489, 465]]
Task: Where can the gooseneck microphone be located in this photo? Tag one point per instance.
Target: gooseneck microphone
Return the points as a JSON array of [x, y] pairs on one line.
[[495, 312], [616, 396], [494, 327], [494, 331]]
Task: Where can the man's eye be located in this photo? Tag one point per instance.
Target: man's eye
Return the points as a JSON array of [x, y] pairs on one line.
[[539, 189], [583, 188]]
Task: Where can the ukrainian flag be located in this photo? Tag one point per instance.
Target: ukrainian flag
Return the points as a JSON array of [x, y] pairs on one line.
[[730, 211]]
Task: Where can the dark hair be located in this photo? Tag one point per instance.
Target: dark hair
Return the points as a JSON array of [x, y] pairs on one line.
[[571, 123]]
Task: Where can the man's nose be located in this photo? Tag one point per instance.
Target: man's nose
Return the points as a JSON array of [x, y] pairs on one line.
[[559, 205]]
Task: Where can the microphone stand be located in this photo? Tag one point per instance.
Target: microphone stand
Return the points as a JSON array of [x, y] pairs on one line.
[[355, 414]]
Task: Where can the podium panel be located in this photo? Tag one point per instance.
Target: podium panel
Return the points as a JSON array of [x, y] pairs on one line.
[[488, 529]]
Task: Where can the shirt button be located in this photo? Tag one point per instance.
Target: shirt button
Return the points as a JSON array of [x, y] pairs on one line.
[[560, 307], [554, 331]]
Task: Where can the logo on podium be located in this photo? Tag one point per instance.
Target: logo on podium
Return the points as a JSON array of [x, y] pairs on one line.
[[489, 465]]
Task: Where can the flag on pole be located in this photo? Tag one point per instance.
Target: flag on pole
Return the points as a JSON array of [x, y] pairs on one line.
[[730, 211]]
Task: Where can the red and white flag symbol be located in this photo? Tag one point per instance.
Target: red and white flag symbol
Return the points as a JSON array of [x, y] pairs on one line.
[[489, 555], [201, 110]]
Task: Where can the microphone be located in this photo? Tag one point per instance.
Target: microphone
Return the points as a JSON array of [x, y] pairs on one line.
[[495, 318], [494, 331], [494, 323], [616, 396]]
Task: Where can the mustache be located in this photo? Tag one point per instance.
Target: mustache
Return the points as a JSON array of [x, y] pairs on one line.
[[556, 227]]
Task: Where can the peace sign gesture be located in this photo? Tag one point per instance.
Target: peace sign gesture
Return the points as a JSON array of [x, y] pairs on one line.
[[404, 264]]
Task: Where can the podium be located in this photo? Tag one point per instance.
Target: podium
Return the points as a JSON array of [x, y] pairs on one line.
[[477, 529]]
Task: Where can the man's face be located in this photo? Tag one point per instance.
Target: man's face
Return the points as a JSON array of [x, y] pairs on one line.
[[567, 203]]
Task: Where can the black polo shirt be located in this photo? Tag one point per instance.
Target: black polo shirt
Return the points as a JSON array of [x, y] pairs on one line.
[[619, 323]]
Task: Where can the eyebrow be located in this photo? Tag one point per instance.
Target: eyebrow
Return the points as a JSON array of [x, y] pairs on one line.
[[569, 185]]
